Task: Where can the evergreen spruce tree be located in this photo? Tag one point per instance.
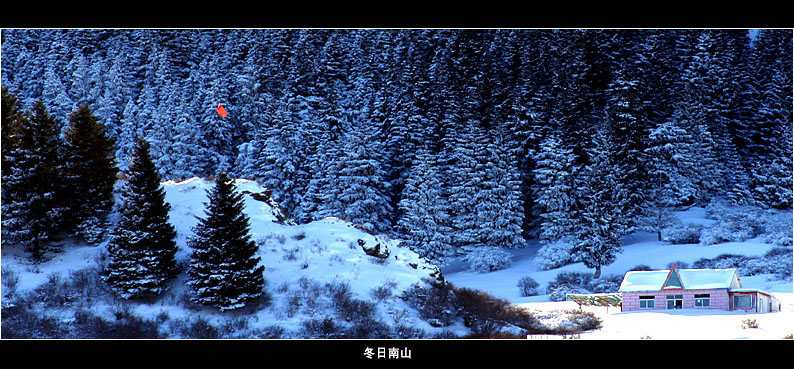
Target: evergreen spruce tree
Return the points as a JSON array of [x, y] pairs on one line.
[[629, 125], [501, 211], [55, 96], [33, 208], [554, 190], [706, 78], [425, 222], [11, 119], [601, 222], [771, 132], [683, 165], [279, 160], [358, 189], [142, 246], [90, 174], [224, 271]]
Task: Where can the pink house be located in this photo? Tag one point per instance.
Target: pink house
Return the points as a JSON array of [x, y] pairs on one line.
[[692, 289]]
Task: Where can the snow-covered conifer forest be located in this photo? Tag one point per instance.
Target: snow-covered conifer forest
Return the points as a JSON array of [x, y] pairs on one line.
[[354, 166]]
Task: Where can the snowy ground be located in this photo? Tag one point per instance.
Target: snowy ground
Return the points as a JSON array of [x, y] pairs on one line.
[[294, 256], [643, 248], [327, 251]]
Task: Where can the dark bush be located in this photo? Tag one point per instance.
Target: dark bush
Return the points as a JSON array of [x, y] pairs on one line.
[[605, 284], [125, 326], [780, 251], [269, 332], [402, 331], [486, 314], [434, 301], [724, 261], [573, 278], [87, 283], [523, 319], [680, 233], [355, 309], [21, 321], [368, 329], [384, 291], [55, 292], [481, 312], [528, 286], [568, 282], [584, 320], [349, 308], [299, 236], [232, 327], [200, 328], [727, 261], [640, 267], [321, 328], [339, 292], [703, 263], [9, 280]]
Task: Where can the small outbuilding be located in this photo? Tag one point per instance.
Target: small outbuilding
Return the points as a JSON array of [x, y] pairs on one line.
[[692, 289]]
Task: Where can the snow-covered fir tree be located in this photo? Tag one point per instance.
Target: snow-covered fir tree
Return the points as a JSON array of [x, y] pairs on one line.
[[55, 96], [731, 97], [90, 174], [34, 205], [484, 194], [11, 114], [601, 221], [554, 190], [224, 270], [142, 244], [280, 155], [501, 211], [360, 191], [424, 225]]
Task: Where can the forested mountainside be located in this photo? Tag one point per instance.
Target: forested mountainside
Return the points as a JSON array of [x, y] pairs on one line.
[[448, 139]]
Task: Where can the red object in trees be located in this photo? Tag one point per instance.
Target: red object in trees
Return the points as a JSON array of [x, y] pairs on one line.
[[221, 111]]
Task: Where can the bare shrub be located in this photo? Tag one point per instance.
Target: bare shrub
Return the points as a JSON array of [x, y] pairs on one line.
[[322, 328], [528, 286], [384, 291], [749, 323], [434, 301], [125, 326]]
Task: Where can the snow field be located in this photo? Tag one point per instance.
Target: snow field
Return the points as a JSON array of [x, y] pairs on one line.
[[643, 248], [324, 251]]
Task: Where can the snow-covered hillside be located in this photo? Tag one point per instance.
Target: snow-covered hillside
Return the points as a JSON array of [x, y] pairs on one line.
[[305, 264], [642, 248], [301, 262]]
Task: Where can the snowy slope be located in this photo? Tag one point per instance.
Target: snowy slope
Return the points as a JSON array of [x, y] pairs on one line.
[[643, 248], [328, 251], [321, 252]]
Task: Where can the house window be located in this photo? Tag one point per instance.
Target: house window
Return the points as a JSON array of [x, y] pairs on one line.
[[675, 301], [742, 301], [646, 302], [702, 300]]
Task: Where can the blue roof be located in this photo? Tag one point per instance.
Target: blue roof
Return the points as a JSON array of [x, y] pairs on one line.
[[691, 279]]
